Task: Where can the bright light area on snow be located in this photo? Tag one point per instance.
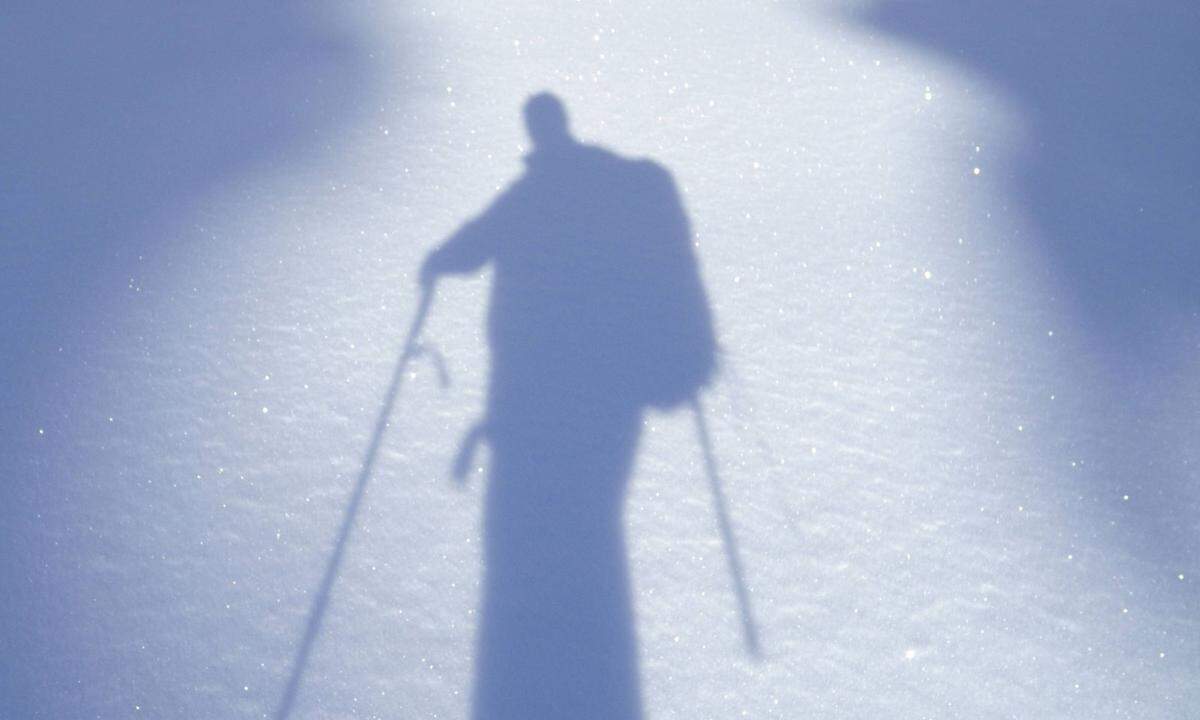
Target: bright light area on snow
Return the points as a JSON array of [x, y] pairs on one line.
[[947, 465]]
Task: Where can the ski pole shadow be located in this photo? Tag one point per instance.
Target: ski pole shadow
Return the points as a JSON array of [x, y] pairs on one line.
[[733, 555], [316, 613]]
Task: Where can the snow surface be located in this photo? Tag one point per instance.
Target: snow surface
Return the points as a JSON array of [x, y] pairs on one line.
[[950, 252]]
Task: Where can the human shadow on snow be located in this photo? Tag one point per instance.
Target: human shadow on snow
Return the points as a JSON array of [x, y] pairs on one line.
[[597, 312]]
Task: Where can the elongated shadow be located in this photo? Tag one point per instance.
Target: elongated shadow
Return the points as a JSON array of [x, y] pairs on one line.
[[316, 613], [733, 555], [597, 313]]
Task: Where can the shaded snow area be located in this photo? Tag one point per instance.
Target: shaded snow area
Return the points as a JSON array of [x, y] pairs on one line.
[[935, 265]]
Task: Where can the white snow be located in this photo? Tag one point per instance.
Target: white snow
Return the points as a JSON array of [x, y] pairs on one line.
[[951, 260]]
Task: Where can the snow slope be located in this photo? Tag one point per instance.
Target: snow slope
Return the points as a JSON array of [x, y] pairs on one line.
[[949, 252]]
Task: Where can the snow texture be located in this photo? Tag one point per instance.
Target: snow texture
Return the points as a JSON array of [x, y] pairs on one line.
[[946, 465]]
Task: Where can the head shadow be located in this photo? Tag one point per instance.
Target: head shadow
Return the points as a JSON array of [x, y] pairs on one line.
[[597, 312]]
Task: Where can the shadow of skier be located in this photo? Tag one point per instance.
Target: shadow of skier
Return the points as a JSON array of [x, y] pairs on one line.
[[597, 312]]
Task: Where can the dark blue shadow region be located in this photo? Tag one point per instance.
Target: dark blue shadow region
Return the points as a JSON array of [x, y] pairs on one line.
[[117, 115], [1111, 174], [1111, 92], [597, 312], [114, 118]]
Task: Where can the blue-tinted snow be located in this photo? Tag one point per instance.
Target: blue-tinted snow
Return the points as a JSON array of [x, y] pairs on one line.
[[947, 251]]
